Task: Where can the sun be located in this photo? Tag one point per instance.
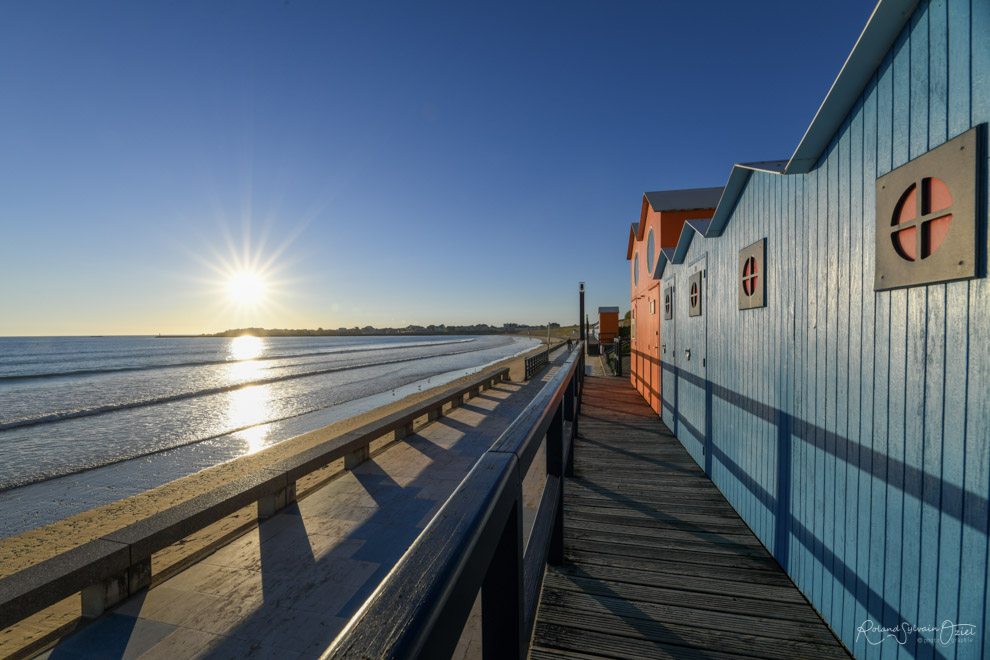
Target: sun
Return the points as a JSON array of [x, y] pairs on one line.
[[249, 285], [246, 288]]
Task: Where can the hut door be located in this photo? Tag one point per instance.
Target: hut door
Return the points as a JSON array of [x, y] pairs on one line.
[[693, 361], [668, 353], [654, 349]]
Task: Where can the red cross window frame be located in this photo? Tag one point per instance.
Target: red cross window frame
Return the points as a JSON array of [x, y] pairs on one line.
[[921, 222], [750, 276]]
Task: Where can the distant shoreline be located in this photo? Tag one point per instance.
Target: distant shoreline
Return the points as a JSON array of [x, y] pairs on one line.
[[509, 329], [314, 333]]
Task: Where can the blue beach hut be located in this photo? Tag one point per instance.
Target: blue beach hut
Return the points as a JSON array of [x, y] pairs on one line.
[[829, 349]]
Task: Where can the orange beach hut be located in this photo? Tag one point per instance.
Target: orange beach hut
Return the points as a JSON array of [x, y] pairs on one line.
[[652, 242]]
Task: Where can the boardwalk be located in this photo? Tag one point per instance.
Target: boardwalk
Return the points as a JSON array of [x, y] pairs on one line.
[[657, 564]]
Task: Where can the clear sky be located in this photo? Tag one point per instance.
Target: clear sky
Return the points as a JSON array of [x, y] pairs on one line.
[[372, 163]]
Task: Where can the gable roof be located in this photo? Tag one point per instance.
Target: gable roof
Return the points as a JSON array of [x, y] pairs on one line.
[[683, 243], [661, 265], [734, 187], [700, 226], [633, 232], [877, 37], [886, 21], [684, 200]]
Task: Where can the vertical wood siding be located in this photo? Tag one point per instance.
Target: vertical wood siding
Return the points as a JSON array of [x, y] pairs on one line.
[[851, 428]]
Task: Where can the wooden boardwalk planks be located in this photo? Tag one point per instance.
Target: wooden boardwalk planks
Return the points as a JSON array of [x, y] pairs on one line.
[[657, 564]]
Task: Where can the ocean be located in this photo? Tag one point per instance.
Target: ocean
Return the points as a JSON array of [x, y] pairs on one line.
[[85, 421]]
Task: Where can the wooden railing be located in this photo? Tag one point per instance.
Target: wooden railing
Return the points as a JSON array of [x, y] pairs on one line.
[[476, 542], [536, 362], [114, 566], [613, 352]]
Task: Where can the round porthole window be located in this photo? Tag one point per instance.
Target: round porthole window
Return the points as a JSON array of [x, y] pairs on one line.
[[921, 219], [666, 304], [694, 294], [750, 277], [650, 262], [636, 269]]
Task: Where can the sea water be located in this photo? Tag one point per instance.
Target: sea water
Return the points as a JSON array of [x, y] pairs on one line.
[[85, 421]]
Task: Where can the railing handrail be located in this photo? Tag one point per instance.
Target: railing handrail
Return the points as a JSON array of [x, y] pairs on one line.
[[475, 541], [115, 565]]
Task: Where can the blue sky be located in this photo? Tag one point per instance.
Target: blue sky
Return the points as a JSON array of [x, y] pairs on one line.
[[375, 163]]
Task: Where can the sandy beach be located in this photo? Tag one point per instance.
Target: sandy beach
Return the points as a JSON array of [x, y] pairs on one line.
[[37, 545]]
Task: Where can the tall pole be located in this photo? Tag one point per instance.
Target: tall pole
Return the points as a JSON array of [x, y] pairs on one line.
[[581, 318]]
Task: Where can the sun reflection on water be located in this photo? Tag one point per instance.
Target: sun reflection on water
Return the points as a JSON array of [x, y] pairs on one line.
[[243, 351], [243, 372], [245, 348], [250, 406]]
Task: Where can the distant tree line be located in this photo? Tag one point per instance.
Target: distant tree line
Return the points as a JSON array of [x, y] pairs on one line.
[[477, 329]]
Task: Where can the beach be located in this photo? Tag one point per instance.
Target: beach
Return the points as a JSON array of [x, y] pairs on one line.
[[85, 422], [31, 547]]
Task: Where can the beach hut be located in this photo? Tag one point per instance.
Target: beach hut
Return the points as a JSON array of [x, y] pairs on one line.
[[825, 358], [652, 241], [608, 324]]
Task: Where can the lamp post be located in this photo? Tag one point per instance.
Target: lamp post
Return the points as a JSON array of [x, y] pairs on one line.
[[581, 317]]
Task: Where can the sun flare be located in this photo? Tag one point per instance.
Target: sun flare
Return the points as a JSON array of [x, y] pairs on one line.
[[246, 288], [249, 286]]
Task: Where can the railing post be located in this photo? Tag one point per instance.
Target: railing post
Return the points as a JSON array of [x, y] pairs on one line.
[[269, 505], [577, 398], [569, 400], [356, 457], [555, 460], [98, 598], [502, 598], [570, 408], [403, 431]]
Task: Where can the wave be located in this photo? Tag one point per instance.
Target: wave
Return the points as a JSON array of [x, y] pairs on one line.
[[205, 363], [65, 471], [101, 410]]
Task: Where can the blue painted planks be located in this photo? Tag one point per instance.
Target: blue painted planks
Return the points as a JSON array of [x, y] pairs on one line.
[[915, 362], [881, 371], [831, 251], [896, 392], [935, 354], [843, 599], [876, 501], [797, 554], [867, 174], [977, 471], [821, 377]]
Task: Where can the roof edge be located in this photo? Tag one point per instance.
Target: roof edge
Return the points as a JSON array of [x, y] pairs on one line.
[[683, 243], [700, 226], [661, 265], [886, 22], [632, 240], [733, 188]]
